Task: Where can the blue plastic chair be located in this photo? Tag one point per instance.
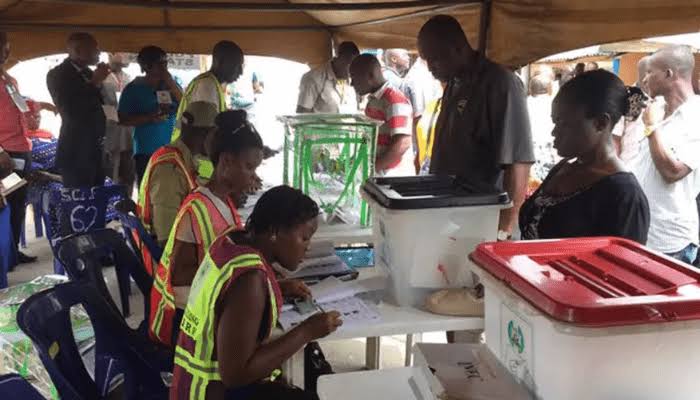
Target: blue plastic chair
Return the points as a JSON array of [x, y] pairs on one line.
[[13, 386], [81, 254], [66, 211], [45, 319], [126, 212], [8, 251]]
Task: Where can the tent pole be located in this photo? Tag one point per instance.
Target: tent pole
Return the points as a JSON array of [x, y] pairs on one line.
[[265, 6], [484, 25]]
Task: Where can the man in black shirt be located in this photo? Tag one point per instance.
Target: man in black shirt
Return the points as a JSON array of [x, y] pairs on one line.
[[483, 131], [75, 90]]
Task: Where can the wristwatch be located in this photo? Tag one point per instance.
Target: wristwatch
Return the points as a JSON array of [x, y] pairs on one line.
[[503, 236]]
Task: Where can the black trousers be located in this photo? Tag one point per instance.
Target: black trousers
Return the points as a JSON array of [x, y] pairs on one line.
[[87, 174], [18, 198]]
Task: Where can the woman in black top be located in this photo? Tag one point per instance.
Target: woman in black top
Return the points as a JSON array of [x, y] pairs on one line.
[[589, 193]]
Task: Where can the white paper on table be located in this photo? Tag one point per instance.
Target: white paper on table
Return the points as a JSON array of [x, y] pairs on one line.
[[353, 311]]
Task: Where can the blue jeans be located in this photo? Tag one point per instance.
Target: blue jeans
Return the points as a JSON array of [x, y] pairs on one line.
[[687, 255]]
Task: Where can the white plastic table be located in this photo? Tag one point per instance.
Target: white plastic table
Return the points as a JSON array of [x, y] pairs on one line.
[[394, 320], [387, 384]]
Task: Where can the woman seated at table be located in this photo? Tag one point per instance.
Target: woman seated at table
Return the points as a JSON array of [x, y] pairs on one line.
[[224, 350], [589, 193], [236, 150]]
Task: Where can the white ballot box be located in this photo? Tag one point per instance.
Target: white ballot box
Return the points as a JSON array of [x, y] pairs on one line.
[[424, 228], [592, 318]]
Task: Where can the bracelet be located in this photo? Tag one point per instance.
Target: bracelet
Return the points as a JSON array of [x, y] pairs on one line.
[[648, 131]]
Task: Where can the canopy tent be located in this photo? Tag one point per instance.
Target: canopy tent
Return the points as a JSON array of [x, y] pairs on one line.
[[519, 31]]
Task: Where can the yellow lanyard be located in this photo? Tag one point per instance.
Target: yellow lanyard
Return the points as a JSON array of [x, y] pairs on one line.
[[341, 85]]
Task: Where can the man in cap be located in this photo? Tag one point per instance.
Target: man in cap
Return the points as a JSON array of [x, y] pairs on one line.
[[171, 172]]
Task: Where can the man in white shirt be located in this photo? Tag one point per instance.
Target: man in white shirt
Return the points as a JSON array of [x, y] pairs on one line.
[[327, 89], [668, 163], [396, 64]]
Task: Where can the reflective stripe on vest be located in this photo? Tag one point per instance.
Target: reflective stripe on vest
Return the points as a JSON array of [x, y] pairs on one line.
[[198, 321], [207, 223], [188, 94], [165, 154]]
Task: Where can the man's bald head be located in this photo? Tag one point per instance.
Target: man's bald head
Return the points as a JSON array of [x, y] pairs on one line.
[[397, 59], [444, 47], [366, 74], [677, 58], [443, 28], [82, 48], [670, 70]]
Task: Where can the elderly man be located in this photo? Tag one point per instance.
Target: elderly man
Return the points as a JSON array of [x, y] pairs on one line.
[[387, 104], [326, 89], [75, 90], [483, 131], [396, 63], [667, 168]]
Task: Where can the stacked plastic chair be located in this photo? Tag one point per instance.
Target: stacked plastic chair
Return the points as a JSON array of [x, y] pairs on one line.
[[81, 256], [44, 318]]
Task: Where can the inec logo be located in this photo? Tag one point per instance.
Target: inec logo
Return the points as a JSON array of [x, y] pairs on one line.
[[516, 337]]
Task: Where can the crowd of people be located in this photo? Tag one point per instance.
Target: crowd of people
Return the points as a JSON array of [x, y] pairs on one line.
[[625, 165]]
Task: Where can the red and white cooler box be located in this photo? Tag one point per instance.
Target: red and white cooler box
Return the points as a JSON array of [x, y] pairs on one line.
[[592, 318]]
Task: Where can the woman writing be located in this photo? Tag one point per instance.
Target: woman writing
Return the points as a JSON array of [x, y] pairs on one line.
[[589, 193], [236, 150], [224, 351]]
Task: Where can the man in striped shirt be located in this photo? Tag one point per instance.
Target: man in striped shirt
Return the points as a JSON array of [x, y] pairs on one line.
[[388, 104]]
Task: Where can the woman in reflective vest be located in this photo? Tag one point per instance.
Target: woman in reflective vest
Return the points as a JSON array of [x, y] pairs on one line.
[[236, 151], [224, 351]]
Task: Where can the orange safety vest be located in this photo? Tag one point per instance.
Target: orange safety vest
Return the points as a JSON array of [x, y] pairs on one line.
[[207, 224], [164, 155], [196, 364]]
